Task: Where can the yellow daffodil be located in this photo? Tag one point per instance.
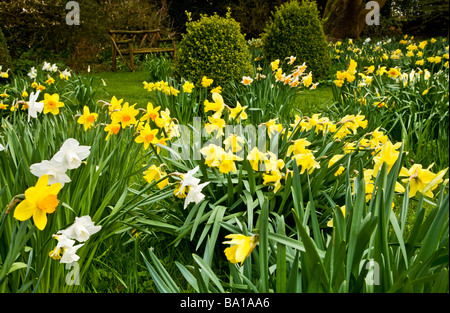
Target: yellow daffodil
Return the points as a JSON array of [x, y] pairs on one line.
[[147, 136], [238, 113], [307, 80], [216, 106], [241, 247], [333, 160], [298, 146], [188, 87], [421, 179], [307, 161], [217, 89], [115, 104], [52, 104], [87, 119], [255, 157], [151, 113], [154, 173], [215, 124], [273, 127], [274, 178], [50, 80], [206, 82], [212, 154], [275, 64], [40, 200], [164, 120], [394, 72], [234, 143], [387, 154], [112, 129], [125, 116], [227, 163]]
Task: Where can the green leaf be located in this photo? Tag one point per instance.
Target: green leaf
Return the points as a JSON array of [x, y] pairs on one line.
[[208, 271]]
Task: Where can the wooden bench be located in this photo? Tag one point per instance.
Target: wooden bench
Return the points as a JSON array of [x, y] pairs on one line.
[[131, 42]]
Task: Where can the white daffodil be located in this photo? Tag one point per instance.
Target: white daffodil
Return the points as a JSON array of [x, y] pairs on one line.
[[33, 73], [67, 248], [55, 170], [46, 66], [53, 68], [188, 179], [1, 147], [81, 229], [71, 154], [195, 194], [34, 107]]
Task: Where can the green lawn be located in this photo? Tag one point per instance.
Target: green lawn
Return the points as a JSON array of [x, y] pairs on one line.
[[124, 85], [313, 101], [128, 86]]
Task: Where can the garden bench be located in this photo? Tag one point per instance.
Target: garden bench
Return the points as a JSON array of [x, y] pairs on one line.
[[131, 42]]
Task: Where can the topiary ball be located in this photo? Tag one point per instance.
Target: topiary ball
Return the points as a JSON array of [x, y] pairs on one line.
[[295, 30], [213, 46]]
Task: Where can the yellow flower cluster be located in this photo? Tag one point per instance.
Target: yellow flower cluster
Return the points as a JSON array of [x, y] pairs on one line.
[[297, 76], [151, 127], [348, 75], [162, 86]]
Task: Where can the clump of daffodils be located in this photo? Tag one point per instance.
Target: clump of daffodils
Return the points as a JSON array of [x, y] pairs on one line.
[[80, 231]]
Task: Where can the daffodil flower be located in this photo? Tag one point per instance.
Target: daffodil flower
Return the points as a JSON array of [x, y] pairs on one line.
[[151, 113], [388, 154], [34, 106], [154, 173], [147, 136], [421, 180], [52, 104], [274, 178], [40, 200], [241, 247], [55, 172], [67, 248], [188, 87], [307, 161], [87, 119], [216, 106], [238, 113], [190, 187], [206, 82], [81, 229], [71, 154]]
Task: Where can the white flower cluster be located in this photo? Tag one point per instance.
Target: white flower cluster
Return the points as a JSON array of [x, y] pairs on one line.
[[68, 157], [49, 67], [191, 183], [80, 231]]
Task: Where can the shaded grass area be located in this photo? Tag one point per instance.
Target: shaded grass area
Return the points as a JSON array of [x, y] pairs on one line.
[[128, 86], [309, 102]]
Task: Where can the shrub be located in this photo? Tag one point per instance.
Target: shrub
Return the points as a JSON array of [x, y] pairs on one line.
[[214, 47], [295, 29], [5, 58]]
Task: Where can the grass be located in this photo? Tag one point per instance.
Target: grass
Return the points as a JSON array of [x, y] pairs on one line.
[[128, 86], [314, 101], [124, 85]]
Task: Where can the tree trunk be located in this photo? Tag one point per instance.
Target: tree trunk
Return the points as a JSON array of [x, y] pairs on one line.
[[345, 18]]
